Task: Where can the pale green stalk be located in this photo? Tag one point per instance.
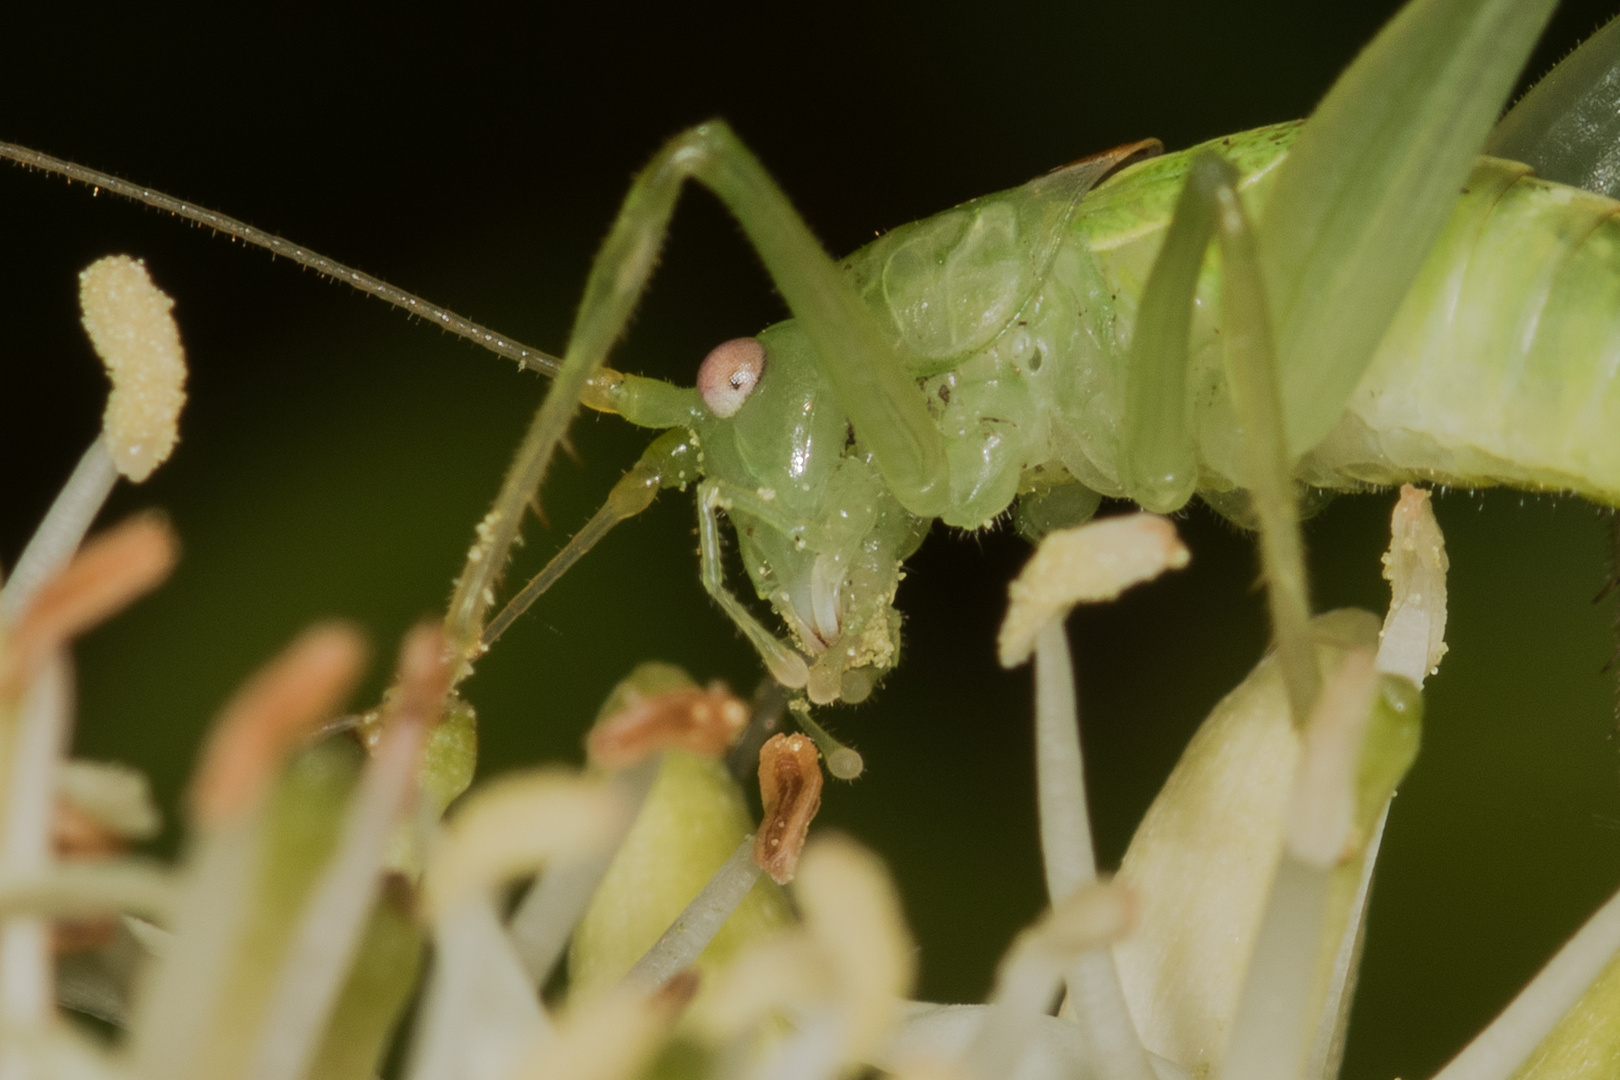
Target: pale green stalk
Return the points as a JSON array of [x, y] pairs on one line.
[[679, 947], [43, 727], [64, 526]]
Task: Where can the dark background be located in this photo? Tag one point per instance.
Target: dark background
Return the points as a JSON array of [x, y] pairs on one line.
[[336, 455]]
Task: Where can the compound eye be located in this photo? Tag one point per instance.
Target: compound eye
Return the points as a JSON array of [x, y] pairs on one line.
[[729, 374]]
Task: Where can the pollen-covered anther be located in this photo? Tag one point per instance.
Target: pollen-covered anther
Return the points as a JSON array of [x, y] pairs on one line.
[[1089, 564], [130, 325], [790, 788], [109, 572], [704, 722], [729, 374], [1414, 634]]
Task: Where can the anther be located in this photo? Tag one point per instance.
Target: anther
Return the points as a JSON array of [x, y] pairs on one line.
[[269, 716], [111, 571], [790, 787], [130, 324], [704, 722]]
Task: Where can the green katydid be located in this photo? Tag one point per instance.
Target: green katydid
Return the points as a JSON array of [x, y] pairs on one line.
[[991, 353]]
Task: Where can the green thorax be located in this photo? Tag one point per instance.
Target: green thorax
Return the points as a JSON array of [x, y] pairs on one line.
[[1015, 311]]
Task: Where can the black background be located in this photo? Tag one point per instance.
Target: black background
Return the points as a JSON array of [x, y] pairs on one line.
[[335, 454]]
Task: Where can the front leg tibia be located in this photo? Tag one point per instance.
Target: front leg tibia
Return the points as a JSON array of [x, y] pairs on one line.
[[784, 664]]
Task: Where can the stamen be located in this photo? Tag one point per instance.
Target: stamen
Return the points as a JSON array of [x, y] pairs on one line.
[[1497, 1052], [129, 322], [76, 834], [1274, 1024], [781, 975], [176, 1004], [1084, 923], [63, 529], [1089, 564], [42, 729], [269, 716], [934, 1037], [704, 722], [1414, 636], [542, 923], [76, 890], [843, 762], [117, 797], [678, 947], [112, 571], [324, 943], [611, 1035], [790, 788], [1095, 562], [853, 914], [480, 1012], [514, 826]]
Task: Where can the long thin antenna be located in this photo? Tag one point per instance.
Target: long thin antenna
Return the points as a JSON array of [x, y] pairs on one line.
[[533, 359]]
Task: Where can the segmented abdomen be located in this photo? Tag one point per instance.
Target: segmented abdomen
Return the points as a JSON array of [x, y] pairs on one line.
[[1502, 365]]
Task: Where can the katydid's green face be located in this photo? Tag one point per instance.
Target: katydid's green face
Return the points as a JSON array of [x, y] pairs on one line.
[[821, 536]]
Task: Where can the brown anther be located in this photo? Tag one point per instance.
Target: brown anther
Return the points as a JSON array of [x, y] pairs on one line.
[[701, 721], [78, 834], [790, 787], [425, 671], [109, 572], [270, 715], [81, 935]]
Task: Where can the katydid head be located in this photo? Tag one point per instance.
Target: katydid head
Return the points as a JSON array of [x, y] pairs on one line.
[[819, 532]]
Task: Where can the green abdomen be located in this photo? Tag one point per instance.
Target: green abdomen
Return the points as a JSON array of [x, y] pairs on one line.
[[1503, 365]]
